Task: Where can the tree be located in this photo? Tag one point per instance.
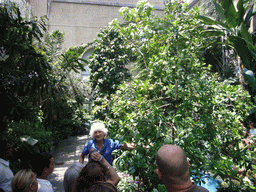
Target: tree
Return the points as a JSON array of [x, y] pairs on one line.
[[108, 61], [234, 25], [36, 81], [62, 87], [175, 99], [24, 71]]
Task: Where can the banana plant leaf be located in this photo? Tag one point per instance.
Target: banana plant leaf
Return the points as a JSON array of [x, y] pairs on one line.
[[241, 48], [241, 11], [245, 33], [211, 21], [219, 11], [213, 33], [230, 12]]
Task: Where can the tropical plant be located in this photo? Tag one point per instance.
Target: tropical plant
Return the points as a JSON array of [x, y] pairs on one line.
[[24, 71], [35, 77], [108, 61], [233, 24], [174, 99]]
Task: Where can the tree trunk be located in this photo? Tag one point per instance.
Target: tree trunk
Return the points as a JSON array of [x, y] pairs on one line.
[[241, 76]]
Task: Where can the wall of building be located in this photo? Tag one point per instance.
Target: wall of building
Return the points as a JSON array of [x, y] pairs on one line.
[[81, 20], [39, 7]]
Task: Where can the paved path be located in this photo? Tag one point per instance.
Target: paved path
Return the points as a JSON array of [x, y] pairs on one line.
[[67, 153]]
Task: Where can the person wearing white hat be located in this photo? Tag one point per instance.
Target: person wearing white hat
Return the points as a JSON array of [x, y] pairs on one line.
[[101, 145]]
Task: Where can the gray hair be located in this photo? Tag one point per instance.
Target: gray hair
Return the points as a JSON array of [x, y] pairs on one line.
[[70, 176]]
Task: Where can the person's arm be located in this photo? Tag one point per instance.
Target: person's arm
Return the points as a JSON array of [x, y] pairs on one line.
[[128, 146], [81, 158], [85, 151], [133, 146], [113, 176]]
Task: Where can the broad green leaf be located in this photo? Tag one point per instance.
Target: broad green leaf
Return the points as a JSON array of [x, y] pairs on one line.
[[211, 21], [213, 33], [220, 11], [230, 13], [253, 53], [245, 34], [241, 11], [241, 49], [208, 20]]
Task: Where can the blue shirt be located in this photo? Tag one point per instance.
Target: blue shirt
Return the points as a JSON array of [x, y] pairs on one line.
[[106, 151]]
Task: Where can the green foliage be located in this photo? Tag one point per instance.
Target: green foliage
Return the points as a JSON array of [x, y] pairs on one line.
[[23, 70], [174, 99], [108, 61], [33, 129], [234, 23], [36, 79], [128, 184], [63, 100], [161, 188]]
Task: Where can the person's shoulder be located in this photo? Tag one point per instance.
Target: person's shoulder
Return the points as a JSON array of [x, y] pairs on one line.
[[197, 188], [111, 141], [89, 142], [44, 185], [108, 140], [4, 163], [5, 170], [44, 182]]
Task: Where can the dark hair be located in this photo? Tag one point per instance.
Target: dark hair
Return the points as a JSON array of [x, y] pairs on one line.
[[101, 187], [92, 173], [40, 161]]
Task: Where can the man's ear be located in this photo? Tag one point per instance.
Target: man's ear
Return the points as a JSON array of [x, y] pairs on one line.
[[159, 174]]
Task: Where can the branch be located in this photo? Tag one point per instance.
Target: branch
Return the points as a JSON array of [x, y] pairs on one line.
[[162, 106], [176, 94], [161, 98], [145, 63]]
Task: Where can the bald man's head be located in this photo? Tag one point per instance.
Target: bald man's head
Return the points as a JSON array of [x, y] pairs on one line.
[[172, 162]]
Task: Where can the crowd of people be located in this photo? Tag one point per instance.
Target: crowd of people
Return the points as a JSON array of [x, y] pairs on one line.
[[31, 179], [98, 174]]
